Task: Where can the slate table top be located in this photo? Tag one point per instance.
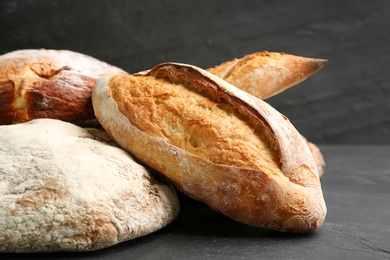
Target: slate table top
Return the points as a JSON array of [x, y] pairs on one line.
[[356, 187]]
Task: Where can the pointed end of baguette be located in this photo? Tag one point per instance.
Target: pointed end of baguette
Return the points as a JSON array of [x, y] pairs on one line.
[[312, 65]]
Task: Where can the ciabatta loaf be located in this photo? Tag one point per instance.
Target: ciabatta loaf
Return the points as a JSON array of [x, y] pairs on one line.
[[65, 188], [40, 83], [265, 74], [216, 143]]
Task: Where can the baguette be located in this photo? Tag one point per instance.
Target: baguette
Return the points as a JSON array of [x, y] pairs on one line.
[[216, 143], [40, 83], [265, 74]]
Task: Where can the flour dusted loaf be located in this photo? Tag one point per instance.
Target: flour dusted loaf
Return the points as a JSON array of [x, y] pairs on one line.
[[216, 143], [265, 74], [65, 188], [41, 83]]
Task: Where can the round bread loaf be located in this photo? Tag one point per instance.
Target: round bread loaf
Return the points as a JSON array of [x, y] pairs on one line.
[[65, 188], [40, 83]]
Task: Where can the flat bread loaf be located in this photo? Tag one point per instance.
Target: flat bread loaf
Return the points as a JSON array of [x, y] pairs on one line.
[[41, 83], [216, 143], [65, 188]]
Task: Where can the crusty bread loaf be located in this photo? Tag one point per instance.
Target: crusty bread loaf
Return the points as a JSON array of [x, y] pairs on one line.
[[40, 83], [265, 74], [216, 143], [65, 188]]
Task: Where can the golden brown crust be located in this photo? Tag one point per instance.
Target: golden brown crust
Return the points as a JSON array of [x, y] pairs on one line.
[[48, 84], [264, 74], [172, 114], [216, 143]]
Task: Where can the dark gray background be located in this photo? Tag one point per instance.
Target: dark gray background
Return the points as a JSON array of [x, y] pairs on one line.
[[345, 102]]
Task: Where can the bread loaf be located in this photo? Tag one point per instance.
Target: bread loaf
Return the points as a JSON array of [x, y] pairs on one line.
[[216, 143], [265, 74], [65, 188], [48, 84]]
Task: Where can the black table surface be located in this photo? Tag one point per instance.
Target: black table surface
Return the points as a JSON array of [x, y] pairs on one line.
[[356, 189]]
